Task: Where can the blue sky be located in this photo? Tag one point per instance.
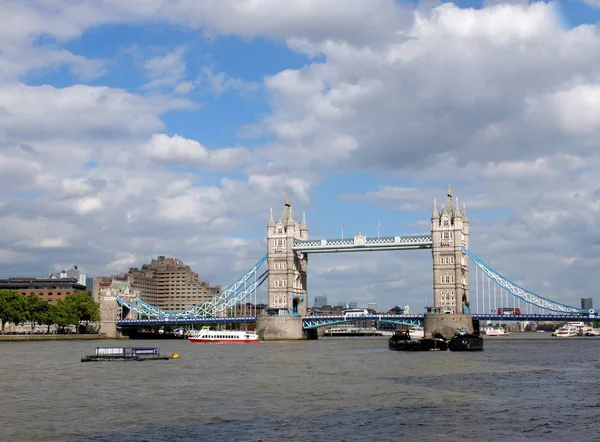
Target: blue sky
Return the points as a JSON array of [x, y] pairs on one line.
[[173, 128]]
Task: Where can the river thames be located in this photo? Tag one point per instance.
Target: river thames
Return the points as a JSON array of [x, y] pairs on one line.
[[525, 387]]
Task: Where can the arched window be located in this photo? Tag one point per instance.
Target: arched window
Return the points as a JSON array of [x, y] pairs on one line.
[[59, 294]]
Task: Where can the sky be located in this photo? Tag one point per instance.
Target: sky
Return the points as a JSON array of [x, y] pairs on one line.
[[135, 129]]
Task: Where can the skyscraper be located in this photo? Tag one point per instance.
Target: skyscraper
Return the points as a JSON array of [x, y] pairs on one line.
[[320, 301], [587, 303]]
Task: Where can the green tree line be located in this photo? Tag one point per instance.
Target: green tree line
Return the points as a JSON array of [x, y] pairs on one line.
[[77, 307]]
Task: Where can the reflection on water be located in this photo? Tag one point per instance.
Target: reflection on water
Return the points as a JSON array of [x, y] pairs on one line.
[[331, 389]]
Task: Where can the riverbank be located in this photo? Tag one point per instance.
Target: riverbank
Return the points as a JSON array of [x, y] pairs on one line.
[[71, 337]]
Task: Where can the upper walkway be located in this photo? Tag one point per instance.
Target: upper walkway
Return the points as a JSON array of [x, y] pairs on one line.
[[361, 243]]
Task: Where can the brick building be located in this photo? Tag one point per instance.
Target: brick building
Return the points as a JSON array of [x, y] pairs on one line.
[[48, 289]]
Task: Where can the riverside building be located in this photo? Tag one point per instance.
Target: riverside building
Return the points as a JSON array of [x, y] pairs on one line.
[[48, 289], [169, 284]]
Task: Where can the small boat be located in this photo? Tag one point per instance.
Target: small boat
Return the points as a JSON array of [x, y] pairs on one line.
[[206, 335], [127, 354], [465, 341], [497, 332]]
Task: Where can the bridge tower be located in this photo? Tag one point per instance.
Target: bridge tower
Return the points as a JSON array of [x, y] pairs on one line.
[[287, 268], [449, 233], [287, 298]]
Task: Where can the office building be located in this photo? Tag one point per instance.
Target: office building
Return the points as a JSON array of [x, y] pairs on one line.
[[73, 272], [320, 301], [48, 289], [587, 303], [169, 284]]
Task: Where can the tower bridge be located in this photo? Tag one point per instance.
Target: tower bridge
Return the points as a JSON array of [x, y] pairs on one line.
[[288, 249]]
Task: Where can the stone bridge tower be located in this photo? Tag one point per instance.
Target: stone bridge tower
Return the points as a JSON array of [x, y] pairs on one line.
[[449, 233], [287, 268]]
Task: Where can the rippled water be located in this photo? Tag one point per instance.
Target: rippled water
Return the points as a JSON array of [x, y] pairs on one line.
[[526, 387]]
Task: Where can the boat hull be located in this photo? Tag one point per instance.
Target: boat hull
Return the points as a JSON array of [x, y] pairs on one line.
[[402, 342], [466, 343], [223, 341]]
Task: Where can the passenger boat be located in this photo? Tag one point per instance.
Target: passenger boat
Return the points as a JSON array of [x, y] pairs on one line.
[[566, 331], [127, 354], [206, 335], [497, 332]]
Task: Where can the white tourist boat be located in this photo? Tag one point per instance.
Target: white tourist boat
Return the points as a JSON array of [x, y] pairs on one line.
[[206, 335], [497, 332], [566, 331]]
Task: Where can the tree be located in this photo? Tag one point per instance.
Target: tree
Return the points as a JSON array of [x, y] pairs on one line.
[[48, 318], [64, 314], [12, 307], [83, 307], [35, 309]]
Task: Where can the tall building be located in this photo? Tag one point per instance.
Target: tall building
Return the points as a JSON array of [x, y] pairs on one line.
[[71, 273], [587, 303], [169, 284], [320, 301]]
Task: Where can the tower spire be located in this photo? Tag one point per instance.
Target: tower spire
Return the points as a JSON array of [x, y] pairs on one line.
[[435, 213], [303, 225], [271, 220]]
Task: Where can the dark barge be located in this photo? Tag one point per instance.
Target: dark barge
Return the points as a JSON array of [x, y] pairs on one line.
[[401, 341], [127, 354], [461, 341]]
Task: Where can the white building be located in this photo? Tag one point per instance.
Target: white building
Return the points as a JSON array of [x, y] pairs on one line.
[[71, 273]]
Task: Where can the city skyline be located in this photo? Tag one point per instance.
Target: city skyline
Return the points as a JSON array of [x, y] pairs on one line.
[[129, 131]]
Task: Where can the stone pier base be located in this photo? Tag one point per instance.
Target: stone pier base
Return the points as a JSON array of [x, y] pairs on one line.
[[281, 328], [109, 328], [446, 324]]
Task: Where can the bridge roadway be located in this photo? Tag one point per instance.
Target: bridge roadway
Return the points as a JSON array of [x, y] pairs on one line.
[[321, 321]]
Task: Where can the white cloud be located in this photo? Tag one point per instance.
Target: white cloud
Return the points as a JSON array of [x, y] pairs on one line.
[[177, 149], [221, 82], [593, 3], [167, 70]]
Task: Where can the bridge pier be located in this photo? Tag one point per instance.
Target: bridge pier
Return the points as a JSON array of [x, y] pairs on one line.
[[282, 328], [446, 324]]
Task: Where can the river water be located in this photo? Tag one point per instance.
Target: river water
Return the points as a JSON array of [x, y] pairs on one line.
[[525, 387]]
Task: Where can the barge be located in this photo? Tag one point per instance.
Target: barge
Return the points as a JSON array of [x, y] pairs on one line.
[[127, 354], [463, 340]]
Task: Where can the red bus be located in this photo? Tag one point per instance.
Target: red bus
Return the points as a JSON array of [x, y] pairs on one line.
[[509, 311]]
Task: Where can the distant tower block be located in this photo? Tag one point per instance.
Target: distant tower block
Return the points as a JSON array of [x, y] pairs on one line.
[[287, 268], [449, 233]]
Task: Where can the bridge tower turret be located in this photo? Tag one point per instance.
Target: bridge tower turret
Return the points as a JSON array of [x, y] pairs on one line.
[[449, 233], [287, 268]]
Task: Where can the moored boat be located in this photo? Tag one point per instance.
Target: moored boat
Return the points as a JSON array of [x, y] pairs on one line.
[[497, 332], [566, 331], [401, 341], [127, 354], [206, 335], [464, 341]]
